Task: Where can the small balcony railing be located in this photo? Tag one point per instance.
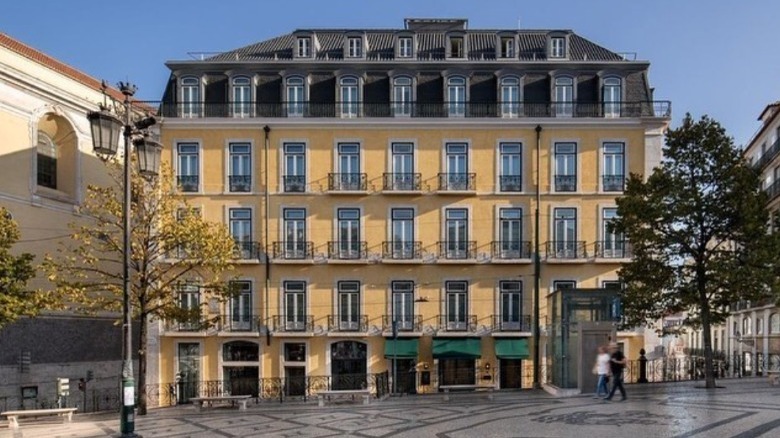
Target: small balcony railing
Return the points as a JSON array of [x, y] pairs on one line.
[[457, 182], [295, 250], [613, 183], [565, 183], [348, 323], [402, 250], [347, 250], [240, 183], [769, 155], [242, 322], [457, 249], [458, 323], [401, 181], [196, 324], [510, 183], [246, 250], [613, 249], [347, 182], [773, 191], [512, 323], [293, 323], [566, 249], [511, 249], [188, 183], [294, 183], [405, 323]]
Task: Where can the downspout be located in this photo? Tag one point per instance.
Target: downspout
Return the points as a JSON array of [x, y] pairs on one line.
[[537, 262], [267, 131]]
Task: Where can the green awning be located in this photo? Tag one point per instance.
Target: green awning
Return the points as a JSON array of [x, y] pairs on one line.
[[403, 348], [513, 348], [457, 347]]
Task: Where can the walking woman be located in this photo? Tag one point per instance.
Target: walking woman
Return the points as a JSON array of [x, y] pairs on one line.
[[602, 369]]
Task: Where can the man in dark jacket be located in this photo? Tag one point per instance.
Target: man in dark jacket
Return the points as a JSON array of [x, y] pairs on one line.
[[617, 363]]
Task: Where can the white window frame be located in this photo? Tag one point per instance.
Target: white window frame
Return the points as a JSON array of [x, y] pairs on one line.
[[241, 85], [190, 97], [296, 105], [355, 47], [513, 107], [564, 95], [350, 96], [457, 95], [402, 95], [229, 154], [405, 50], [304, 46], [199, 166], [558, 47]]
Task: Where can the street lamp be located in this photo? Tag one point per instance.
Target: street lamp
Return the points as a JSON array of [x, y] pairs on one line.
[[106, 127]]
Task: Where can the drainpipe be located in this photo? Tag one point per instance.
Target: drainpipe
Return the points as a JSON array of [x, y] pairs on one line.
[[537, 262], [267, 131]]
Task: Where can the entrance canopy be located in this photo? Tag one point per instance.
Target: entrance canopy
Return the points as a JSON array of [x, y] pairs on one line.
[[513, 348], [404, 348], [457, 347]]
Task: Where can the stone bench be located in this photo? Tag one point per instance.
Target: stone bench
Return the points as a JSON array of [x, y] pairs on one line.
[[13, 416], [454, 388], [240, 400], [365, 393]]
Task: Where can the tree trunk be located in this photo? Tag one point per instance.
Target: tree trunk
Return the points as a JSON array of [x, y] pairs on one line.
[[142, 365], [709, 374]]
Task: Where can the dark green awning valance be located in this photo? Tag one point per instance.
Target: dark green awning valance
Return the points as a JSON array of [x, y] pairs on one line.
[[403, 348], [513, 348], [457, 347]]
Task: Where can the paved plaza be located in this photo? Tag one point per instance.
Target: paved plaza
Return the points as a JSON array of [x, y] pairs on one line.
[[741, 408]]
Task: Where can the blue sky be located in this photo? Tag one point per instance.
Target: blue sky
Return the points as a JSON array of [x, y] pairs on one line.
[[711, 57]]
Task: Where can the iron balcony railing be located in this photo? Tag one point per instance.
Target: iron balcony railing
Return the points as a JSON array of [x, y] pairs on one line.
[[347, 250], [293, 250], [348, 323], [613, 183], [768, 155], [401, 250], [566, 249], [358, 109], [240, 183], [195, 324], [457, 181], [457, 249], [511, 323], [246, 250], [240, 322], [510, 249], [613, 249], [345, 182], [293, 323], [294, 183], [405, 323], [458, 323], [510, 183], [565, 183], [188, 183], [401, 181], [773, 191]]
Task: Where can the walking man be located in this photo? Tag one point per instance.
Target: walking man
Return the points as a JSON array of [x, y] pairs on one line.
[[617, 363]]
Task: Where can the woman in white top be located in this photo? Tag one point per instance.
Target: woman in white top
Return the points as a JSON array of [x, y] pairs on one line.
[[602, 369]]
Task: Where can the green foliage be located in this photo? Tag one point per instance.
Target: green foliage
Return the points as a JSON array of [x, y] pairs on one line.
[[15, 270]]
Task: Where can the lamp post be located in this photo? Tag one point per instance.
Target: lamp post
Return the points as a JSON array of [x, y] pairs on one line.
[[537, 261], [106, 127]]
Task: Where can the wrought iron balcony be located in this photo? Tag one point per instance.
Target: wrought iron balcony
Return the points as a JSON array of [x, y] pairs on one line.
[[510, 183], [773, 191], [566, 249], [293, 323], [454, 182], [246, 250], [401, 181], [347, 182], [511, 249], [347, 250], [565, 183], [458, 323], [511, 323], [613, 249], [242, 322], [240, 183], [402, 250], [768, 156], [348, 323], [458, 249], [294, 183], [197, 324], [294, 250], [405, 323], [188, 183], [613, 183]]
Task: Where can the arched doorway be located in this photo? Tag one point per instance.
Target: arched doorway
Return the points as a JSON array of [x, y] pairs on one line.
[[348, 365]]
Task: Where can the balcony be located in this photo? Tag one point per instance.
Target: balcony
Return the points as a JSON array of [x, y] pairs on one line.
[[566, 249], [188, 183], [510, 249], [565, 183], [401, 250], [458, 323], [773, 191], [243, 322], [347, 182], [768, 156], [192, 325], [294, 183], [457, 182], [510, 183], [246, 251], [348, 323], [240, 183], [293, 323], [294, 250], [406, 323], [457, 249], [511, 323], [347, 250], [401, 182], [459, 109], [613, 249], [613, 183]]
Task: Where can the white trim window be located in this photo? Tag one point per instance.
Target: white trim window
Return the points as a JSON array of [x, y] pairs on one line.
[[242, 96], [557, 47], [613, 176], [188, 167], [190, 97], [402, 233], [46, 161], [402, 167], [294, 226], [614, 244], [355, 47], [349, 305], [295, 305], [457, 156], [510, 178], [295, 87], [294, 177], [240, 225], [405, 47], [456, 228], [304, 47], [565, 233], [348, 237], [457, 47], [456, 293], [349, 91], [510, 97], [456, 96], [349, 176], [240, 172], [402, 96], [565, 167], [564, 96], [402, 293], [511, 305], [507, 47], [510, 233], [611, 96], [189, 302], [240, 306]]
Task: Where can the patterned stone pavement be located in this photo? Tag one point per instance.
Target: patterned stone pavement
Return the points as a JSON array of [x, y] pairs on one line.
[[741, 408]]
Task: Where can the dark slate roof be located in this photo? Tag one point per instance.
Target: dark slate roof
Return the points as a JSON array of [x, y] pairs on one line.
[[430, 46]]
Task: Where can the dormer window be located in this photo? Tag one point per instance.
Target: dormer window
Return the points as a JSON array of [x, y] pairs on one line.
[[405, 47], [456, 47], [507, 47], [557, 47], [304, 47], [355, 47]]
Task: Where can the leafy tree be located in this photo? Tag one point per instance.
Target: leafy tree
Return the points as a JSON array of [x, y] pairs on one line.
[[171, 245], [15, 300], [698, 227]]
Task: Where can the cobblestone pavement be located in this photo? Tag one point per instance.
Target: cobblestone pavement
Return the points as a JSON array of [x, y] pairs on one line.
[[741, 408]]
